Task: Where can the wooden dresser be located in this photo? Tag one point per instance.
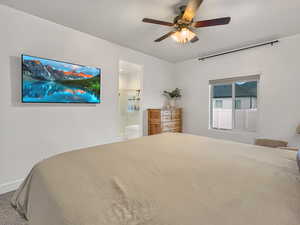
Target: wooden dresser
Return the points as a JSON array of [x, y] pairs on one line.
[[160, 120]]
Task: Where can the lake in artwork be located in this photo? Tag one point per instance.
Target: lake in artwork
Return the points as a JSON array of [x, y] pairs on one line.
[[49, 81]]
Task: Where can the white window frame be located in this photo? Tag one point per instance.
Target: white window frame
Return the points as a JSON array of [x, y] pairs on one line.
[[232, 81], [236, 100]]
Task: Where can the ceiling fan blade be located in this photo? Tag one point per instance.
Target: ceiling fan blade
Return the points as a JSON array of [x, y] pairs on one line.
[[213, 22], [195, 39], [191, 10], [159, 22], [165, 36]]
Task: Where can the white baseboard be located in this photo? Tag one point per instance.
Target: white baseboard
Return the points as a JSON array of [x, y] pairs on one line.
[[10, 186], [113, 140]]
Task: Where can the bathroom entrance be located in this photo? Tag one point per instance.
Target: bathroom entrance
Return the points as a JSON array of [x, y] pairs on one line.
[[130, 98]]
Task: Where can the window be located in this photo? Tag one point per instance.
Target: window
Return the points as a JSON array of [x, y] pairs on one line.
[[234, 103], [218, 104], [238, 104]]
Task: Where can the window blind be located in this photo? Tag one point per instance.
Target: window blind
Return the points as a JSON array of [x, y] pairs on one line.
[[235, 79]]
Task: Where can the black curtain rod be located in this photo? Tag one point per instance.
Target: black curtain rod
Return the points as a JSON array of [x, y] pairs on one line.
[[240, 49]]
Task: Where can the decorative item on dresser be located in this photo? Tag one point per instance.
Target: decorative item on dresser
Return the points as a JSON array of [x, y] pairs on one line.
[[164, 120], [172, 97]]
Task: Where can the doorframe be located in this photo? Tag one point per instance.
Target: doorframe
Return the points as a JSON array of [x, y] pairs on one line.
[[141, 112]]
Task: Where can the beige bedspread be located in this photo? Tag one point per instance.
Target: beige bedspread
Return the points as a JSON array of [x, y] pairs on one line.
[[168, 179]]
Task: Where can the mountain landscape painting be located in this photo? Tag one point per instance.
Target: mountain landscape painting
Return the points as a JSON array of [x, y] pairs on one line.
[[50, 81]]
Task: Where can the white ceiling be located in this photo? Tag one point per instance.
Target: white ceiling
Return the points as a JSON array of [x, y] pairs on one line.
[[119, 21]]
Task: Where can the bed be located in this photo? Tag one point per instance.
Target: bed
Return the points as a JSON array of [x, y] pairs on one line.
[[167, 179]]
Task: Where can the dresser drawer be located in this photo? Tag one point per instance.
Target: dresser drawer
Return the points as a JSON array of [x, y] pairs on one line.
[[174, 130], [154, 129], [154, 114], [177, 130], [166, 113], [176, 116], [170, 124], [166, 118], [164, 121]]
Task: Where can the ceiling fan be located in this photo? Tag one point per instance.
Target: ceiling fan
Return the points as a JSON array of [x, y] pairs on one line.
[[184, 24]]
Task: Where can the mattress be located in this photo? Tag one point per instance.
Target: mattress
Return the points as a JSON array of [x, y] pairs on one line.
[[167, 179]]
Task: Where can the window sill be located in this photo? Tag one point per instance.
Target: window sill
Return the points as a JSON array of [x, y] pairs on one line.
[[233, 131]]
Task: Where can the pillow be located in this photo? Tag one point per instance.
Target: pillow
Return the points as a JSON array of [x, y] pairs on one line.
[[270, 143]]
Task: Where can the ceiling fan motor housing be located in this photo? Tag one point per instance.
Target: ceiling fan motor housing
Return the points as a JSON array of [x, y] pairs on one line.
[[178, 19], [182, 9], [184, 25]]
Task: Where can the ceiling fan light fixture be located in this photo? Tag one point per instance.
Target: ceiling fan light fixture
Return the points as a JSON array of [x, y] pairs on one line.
[[183, 24], [183, 36]]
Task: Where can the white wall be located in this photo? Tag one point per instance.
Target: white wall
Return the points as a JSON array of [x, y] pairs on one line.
[[279, 108], [31, 132], [130, 80]]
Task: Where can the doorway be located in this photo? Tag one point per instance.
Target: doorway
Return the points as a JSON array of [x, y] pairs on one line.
[[130, 98]]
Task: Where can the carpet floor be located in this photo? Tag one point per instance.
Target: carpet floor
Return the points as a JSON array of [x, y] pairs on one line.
[[8, 215]]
